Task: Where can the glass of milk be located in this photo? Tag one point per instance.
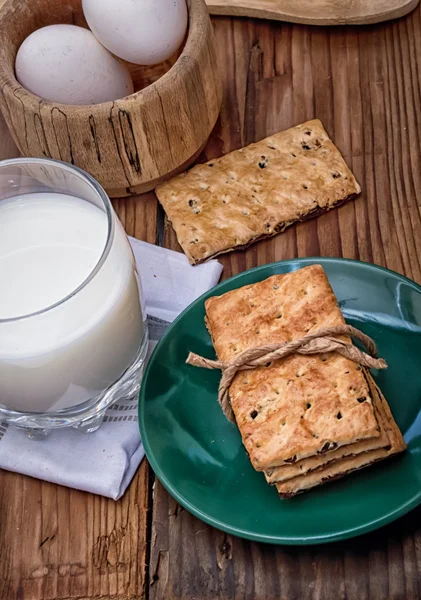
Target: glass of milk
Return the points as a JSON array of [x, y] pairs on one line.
[[73, 337]]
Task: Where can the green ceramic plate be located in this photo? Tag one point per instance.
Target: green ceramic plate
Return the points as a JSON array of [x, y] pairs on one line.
[[198, 455]]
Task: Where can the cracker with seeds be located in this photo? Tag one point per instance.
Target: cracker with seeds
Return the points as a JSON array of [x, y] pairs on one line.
[[257, 191], [313, 463], [299, 406], [340, 468]]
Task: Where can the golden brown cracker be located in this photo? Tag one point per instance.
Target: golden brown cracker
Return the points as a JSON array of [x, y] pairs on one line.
[[257, 191], [340, 468]]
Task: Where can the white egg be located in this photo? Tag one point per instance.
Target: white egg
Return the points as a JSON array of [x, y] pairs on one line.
[[67, 64], [145, 32]]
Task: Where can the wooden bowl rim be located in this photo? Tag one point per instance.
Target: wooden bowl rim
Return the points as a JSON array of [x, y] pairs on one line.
[[184, 64]]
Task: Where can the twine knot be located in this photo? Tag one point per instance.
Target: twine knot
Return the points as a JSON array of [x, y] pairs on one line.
[[318, 342]]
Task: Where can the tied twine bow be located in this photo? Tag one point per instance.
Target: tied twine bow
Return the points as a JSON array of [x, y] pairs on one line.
[[319, 342]]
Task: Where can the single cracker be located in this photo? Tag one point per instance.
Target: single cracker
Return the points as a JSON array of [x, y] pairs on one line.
[[257, 191]]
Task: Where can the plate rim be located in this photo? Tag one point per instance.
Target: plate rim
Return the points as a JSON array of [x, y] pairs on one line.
[[243, 533]]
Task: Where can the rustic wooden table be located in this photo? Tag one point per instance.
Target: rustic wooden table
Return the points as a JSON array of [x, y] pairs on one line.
[[365, 85]]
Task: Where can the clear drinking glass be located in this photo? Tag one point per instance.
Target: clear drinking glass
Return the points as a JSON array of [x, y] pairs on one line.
[[70, 356]]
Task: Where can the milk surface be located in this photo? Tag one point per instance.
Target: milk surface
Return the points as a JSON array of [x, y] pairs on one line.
[[49, 245]]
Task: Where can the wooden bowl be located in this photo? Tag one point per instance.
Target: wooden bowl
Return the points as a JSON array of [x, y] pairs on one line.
[[129, 145]]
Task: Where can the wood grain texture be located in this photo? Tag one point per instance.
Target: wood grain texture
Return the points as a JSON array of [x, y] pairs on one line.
[[193, 560], [319, 12], [61, 544], [365, 86], [128, 145]]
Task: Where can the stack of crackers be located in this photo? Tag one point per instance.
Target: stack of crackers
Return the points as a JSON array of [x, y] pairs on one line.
[[256, 192], [304, 419]]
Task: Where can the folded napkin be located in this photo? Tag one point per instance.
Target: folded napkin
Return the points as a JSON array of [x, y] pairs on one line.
[[104, 462]]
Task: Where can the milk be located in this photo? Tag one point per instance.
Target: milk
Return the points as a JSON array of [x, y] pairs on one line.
[[60, 357]]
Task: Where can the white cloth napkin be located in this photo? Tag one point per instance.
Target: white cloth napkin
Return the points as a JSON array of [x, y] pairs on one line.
[[104, 462]]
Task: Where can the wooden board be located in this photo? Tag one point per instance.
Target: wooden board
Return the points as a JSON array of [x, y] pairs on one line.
[[315, 12], [365, 85]]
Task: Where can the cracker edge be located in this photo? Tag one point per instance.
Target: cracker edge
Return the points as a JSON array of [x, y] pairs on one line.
[[395, 436], [280, 228]]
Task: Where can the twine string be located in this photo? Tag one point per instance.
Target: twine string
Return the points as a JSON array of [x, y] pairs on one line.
[[318, 342]]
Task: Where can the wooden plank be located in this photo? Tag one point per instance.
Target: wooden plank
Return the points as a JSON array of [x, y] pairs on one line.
[[138, 215], [311, 12], [365, 85], [61, 544]]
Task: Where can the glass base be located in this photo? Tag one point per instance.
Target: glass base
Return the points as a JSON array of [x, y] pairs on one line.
[[86, 417]]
